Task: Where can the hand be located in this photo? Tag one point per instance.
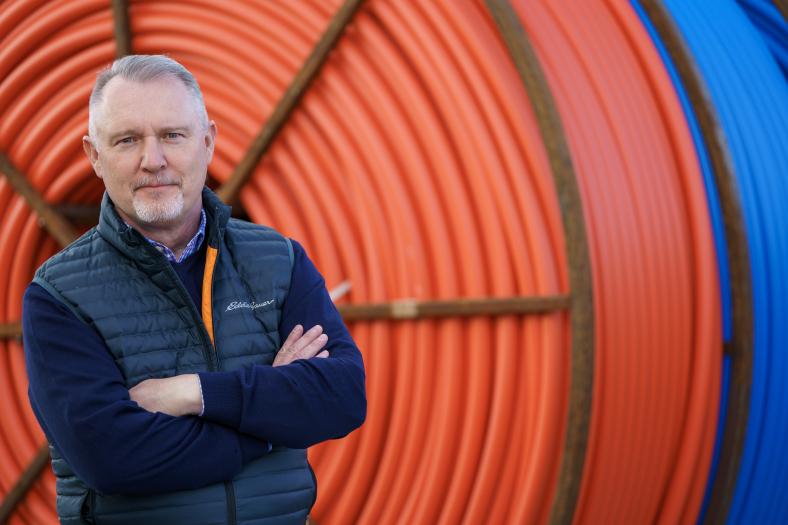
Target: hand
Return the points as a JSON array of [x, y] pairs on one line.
[[177, 396], [300, 345]]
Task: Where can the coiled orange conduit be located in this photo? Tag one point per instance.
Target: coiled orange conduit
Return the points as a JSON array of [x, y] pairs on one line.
[[658, 317], [436, 209], [414, 168]]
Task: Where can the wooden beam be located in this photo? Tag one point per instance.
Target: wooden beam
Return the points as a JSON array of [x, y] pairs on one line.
[[408, 309], [229, 191], [581, 367], [122, 25], [10, 330], [24, 484], [54, 223], [81, 214]]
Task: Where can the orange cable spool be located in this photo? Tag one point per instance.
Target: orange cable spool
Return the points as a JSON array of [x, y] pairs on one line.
[[414, 167], [653, 263], [388, 185]]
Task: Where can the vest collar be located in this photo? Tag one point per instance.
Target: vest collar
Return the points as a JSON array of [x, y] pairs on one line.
[[133, 245], [218, 214]]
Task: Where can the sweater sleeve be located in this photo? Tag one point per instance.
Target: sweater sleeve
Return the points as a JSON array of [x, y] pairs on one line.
[[308, 400], [79, 397]]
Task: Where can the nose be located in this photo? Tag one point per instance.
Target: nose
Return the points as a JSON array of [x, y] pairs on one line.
[[153, 159]]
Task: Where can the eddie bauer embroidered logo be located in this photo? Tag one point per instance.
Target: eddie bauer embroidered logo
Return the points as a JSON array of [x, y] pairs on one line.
[[246, 304]]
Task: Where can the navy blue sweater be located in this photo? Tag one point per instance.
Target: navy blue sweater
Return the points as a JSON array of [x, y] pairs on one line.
[[75, 386]]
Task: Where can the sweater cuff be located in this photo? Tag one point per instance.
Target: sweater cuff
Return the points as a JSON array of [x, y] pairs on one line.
[[202, 398], [222, 398]]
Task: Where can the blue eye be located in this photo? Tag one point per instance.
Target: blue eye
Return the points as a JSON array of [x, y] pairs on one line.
[[173, 135], [126, 140]]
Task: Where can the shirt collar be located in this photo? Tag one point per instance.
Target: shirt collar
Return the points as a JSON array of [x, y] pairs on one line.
[[192, 246]]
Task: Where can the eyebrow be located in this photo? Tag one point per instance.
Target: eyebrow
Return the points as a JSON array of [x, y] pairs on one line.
[[183, 129], [119, 134], [131, 131]]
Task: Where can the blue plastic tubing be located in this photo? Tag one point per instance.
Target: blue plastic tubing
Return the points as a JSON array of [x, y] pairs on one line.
[[765, 16], [750, 97]]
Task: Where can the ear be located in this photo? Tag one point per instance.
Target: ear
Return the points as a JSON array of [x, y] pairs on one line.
[[92, 153], [210, 139]]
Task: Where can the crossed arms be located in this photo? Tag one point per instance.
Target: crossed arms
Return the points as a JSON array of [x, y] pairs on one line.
[[116, 445], [181, 395]]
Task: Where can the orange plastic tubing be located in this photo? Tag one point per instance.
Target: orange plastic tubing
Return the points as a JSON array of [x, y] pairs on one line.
[[413, 167], [656, 390]]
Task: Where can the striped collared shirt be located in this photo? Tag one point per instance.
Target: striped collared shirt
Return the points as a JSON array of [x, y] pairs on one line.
[[192, 246]]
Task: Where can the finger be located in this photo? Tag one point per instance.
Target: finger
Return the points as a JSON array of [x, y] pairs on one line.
[[322, 354], [295, 333], [307, 339], [313, 348]]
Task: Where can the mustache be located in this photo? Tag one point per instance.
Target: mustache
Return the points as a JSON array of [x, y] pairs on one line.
[[154, 181]]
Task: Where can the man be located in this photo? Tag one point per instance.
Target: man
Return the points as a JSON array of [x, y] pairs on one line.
[[154, 342]]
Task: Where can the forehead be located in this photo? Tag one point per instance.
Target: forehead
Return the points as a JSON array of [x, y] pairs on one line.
[[161, 102]]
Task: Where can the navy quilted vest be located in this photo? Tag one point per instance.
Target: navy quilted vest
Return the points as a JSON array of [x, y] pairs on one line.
[[120, 285]]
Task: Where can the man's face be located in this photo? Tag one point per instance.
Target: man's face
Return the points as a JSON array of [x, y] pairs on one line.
[[152, 149]]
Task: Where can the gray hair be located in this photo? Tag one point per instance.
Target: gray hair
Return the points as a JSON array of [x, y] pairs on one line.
[[143, 68]]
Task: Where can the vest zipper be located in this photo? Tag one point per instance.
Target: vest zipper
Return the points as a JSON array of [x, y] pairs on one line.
[[230, 491], [229, 488], [88, 511], [207, 347], [211, 357]]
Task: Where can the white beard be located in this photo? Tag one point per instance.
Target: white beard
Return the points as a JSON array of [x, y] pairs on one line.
[[155, 210]]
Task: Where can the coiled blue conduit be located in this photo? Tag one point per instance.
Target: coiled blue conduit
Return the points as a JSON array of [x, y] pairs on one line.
[[749, 93], [770, 23]]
